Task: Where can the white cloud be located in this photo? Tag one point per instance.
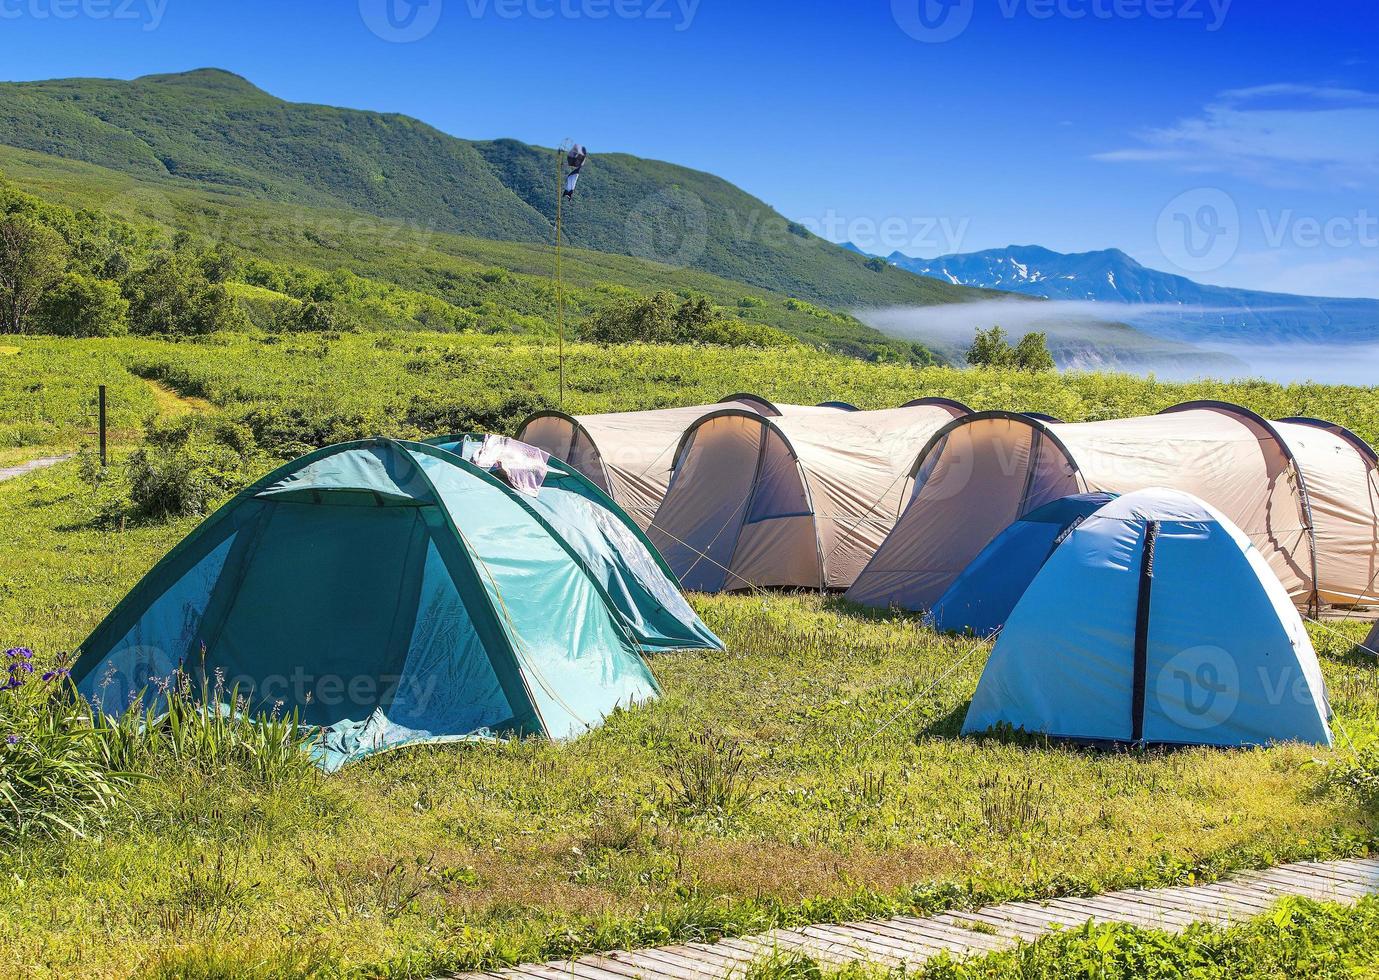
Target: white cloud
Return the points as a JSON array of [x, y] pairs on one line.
[[1283, 133]]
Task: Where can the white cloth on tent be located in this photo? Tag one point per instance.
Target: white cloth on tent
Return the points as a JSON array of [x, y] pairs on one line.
[[521, 466]]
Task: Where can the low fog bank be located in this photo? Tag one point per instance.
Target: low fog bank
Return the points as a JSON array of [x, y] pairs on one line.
[[1094, 336]]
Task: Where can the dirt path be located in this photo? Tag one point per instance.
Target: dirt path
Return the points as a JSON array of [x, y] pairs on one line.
[[172, 403], [10, 472]]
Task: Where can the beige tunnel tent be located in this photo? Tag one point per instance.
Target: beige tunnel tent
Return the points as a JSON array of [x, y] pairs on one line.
[[627, 455], [797, 501], [1304, 491]]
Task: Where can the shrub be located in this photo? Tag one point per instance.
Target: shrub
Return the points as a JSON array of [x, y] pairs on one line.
[[188, 464], [82, 306], [665, 318]]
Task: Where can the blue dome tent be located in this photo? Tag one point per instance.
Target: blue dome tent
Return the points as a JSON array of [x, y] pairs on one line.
[[981, 598], [1156, 621], [388, 592], [642, 588]]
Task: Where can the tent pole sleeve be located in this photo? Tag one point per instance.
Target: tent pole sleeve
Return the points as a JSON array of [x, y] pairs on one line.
[[1137, 695]]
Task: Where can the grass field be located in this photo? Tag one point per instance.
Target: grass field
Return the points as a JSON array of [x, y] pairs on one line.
[[834, 784]]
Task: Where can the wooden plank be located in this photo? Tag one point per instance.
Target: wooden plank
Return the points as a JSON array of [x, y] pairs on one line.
[[1189, 902], [1318, 884], [1041, 912], [586, 969], [862, 938], [924, 930], [922, 942], [971, 937], [858, 943], [1335, 872], [635, 967], [1005, 927], [1110, 910], [682, 966], [1366, 869], [1297, 887], [783, 943], [713, 952], [1154, 901]]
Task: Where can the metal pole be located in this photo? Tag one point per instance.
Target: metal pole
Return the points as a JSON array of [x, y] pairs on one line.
[[559, 290], [102, 424]]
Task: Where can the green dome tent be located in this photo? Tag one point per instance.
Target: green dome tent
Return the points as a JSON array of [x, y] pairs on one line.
[[389, 592], [641, 586]]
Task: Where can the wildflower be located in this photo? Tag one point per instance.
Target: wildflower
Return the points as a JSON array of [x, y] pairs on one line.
[[19, 653], [13, 739], [55, 673]]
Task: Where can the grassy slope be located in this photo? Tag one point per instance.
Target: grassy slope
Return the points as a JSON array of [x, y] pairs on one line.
[[211, 130], [507, 285], [857, 796]]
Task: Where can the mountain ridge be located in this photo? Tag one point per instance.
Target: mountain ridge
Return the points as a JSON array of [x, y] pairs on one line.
[[218, 130], [1206, 312]]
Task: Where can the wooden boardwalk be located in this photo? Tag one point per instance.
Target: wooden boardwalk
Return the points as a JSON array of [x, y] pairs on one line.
[[909, 941]]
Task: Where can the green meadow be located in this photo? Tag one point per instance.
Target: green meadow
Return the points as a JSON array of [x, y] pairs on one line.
[[812, 772]]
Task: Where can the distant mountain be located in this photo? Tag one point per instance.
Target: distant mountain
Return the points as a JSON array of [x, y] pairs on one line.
[[215, 131], [1185, 310]]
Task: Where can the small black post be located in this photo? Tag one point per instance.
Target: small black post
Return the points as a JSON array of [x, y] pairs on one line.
[[102, 411]]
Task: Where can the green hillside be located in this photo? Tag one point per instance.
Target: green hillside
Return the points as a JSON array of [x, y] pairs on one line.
[[211, 130], [387, 274]]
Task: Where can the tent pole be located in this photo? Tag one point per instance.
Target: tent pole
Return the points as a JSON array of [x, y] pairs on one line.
[[559, 290]]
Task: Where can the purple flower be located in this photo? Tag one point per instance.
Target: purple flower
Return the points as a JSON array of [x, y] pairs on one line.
[[12, 740], [56, 673], [19, 653]]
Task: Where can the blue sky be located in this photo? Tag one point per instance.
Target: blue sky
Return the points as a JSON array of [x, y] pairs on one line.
[[1236, 141]]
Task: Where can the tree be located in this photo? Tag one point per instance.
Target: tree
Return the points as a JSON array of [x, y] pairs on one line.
[[32, 258], [171, 295], [990, 348], [1032, 353], [81, 306]]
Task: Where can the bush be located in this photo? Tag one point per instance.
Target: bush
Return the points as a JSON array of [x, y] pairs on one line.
[[188, 464], [665, 318], [83, 306]]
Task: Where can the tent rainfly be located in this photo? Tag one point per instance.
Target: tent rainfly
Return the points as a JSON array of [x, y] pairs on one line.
[[628, 455], [799, 501], [988, 589], [387, 591], [1156, 621], [1305, 492], [611, 545]]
